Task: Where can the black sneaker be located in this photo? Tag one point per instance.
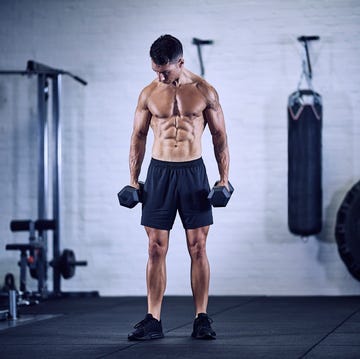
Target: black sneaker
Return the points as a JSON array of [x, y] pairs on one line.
[[202, 327], [149, 328]]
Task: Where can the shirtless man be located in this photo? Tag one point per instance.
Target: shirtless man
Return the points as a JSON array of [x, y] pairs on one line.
[[177, 106]]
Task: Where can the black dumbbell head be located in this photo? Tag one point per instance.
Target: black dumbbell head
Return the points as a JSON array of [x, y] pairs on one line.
[[219, 196], [128, 197]]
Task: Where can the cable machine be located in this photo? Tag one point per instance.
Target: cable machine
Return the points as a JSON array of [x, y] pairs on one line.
[[63, 263]]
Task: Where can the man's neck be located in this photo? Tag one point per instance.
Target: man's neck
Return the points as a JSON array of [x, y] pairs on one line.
[[176, 83], [183, 79]]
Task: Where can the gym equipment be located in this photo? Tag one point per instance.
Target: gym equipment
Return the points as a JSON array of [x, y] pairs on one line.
[[12, 305], [198, 44], [130, 196], [11, 312], [29, 225], [9, 282], [37, 250], [219, 196], [34, 254], [347, 230], [304, 154], [49, 168], [67, 263]]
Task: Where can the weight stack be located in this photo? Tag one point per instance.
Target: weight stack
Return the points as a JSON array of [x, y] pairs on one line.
[[304, 163]]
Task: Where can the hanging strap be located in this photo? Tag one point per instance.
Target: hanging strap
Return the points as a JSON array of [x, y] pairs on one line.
[[306, 63]]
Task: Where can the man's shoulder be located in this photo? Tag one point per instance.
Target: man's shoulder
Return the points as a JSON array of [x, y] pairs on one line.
[[202, 85], [146, 93], [207, 90], [147, 90]]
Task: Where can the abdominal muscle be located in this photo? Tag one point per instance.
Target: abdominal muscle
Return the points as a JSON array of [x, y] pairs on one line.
[[177, 139]]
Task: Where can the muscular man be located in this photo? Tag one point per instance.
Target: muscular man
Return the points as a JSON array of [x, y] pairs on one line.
[[177, 106]]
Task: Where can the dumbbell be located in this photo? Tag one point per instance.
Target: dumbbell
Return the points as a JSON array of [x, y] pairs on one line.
[[219, 196], [130, 196]]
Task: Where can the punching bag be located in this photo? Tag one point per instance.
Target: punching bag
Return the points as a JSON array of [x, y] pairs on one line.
[[304, 163]]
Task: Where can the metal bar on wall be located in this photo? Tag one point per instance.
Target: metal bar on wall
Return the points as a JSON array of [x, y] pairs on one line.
[[43, 169], [56, 172]]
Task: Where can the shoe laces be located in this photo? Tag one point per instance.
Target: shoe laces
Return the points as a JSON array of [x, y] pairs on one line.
[[205, 321], [143, 322]]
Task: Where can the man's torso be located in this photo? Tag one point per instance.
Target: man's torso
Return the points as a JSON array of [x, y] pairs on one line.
[[177, 121]]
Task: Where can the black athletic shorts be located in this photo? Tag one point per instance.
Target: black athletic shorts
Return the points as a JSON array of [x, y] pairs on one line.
[[176, 186]]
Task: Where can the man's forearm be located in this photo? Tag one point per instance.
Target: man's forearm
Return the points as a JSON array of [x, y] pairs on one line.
[[222, 156], [136, 157]]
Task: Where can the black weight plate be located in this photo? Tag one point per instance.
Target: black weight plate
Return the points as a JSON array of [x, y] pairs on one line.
[[67, 263], [347, 231]]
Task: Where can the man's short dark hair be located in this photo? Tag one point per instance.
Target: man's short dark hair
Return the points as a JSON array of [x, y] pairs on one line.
[[166, 49]]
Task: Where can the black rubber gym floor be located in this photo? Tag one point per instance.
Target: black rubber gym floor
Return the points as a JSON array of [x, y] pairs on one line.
[[247, 327]]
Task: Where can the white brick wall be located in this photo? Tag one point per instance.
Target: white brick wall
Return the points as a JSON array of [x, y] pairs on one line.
[[254, 63]]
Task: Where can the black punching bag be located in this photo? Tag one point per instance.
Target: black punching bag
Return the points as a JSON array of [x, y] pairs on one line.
[[304, 163]]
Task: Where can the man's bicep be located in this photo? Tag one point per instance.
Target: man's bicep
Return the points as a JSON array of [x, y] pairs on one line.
[[215, 120], [142, 115], [213, 113], [142, 121]]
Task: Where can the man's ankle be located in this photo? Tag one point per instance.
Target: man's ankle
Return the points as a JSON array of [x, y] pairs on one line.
[[200, 312], [155, 315]]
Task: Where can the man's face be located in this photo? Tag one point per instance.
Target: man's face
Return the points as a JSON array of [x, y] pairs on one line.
[[168, 73]]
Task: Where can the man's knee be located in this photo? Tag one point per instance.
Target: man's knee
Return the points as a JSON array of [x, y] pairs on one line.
[[158, 244], [197, 250], [197, 243], [157, 250]]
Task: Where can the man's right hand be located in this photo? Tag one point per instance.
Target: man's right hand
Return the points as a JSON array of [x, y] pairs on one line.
[[135, 184], [223, 183]]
